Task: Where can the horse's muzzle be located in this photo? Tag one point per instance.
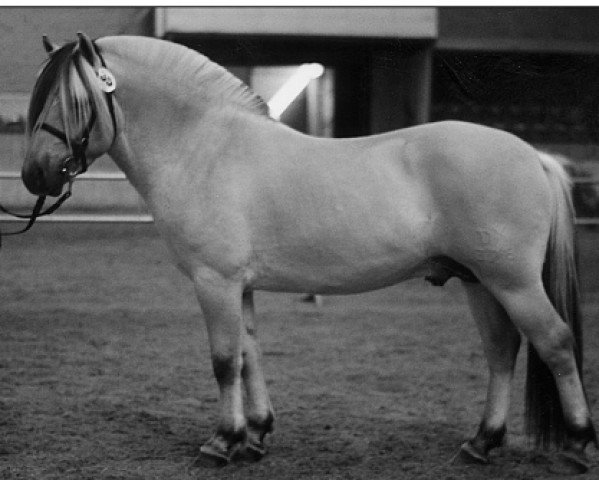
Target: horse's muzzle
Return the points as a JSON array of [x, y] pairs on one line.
[[41, 181]]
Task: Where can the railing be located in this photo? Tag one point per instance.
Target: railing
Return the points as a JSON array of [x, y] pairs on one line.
[[83, 217], [86, 176], [145, 218]]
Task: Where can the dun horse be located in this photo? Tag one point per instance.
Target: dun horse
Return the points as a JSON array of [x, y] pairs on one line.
[[246, 203]]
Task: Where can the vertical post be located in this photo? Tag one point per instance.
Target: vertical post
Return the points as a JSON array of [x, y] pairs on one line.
[[321, 105], [400, 88], [421, 66], [388, 85], [352, 96], [159, 22]]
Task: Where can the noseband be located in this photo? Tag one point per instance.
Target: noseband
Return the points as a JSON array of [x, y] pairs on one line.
[[72, 165], [75, 163]]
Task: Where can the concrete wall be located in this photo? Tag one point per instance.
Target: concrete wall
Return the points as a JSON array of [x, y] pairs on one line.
[[21, 30], [387, 22], [532, 29]]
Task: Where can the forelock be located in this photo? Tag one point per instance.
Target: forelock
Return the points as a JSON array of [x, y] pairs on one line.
[[72, 77], [46, 82]]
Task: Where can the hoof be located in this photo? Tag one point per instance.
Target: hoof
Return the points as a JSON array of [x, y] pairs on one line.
[[570, 463], [254, 447], [210, 459], [217, 453], [255, 451], [468, 455]]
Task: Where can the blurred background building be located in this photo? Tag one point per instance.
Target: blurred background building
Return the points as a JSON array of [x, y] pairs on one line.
[[530, 71]]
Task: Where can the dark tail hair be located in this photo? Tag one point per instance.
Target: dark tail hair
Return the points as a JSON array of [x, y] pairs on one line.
[[544, 413]]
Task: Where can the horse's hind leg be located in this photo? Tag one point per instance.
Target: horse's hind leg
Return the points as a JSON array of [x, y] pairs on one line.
[[532, 312], [259, 412], [501, 342]]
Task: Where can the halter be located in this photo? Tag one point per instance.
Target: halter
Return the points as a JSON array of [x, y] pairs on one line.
[[73, 164], [76, 163]]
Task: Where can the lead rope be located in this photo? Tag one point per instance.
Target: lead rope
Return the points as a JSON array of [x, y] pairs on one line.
[[79, 154], [36, 212]]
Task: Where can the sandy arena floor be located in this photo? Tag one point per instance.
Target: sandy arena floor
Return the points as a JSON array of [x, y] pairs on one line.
[[105, 373]]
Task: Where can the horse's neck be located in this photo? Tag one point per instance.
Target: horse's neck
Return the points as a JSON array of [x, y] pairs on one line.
[[160, 123], [187, 77]]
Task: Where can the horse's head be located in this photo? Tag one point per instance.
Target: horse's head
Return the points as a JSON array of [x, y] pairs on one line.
[[71, 118]]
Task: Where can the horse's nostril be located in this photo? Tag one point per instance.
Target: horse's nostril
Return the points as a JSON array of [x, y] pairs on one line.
[[34, 180]]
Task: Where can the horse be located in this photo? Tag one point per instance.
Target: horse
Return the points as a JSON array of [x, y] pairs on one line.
[[248, 204]]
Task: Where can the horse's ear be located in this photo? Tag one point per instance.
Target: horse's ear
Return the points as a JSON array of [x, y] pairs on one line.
[[87, 49], [48, 45]]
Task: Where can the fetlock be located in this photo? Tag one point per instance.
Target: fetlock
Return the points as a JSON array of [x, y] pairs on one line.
[[257, 430], [488, 438], [577, 438], [261, 426]]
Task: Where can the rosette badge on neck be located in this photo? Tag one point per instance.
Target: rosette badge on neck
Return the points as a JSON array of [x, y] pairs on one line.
[[107, 80]]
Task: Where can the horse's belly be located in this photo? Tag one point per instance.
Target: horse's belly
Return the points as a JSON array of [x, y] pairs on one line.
[[344, 242], [333, 272], [307, 283]]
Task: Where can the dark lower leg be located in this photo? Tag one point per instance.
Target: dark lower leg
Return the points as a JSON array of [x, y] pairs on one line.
[[577, 430], [487, 438], [221, 306], [573, 459], [552, 338], [501, 342], [231, 431], [577, 438], [476, 451], [227, 371], [259, 412]]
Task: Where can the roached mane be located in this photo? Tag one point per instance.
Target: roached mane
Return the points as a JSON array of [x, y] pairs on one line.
[[178, 65]]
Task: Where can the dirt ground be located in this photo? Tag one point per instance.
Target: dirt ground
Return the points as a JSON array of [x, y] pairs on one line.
[[105, 373]]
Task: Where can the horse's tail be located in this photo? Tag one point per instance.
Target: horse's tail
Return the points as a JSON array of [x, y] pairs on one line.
[[544, 414]]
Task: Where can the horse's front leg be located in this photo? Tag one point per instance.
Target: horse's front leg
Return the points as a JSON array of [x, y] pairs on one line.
[[221, 304], [259, 412]]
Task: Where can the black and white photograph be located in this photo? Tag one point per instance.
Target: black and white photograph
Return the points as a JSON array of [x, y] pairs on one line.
[[299, 241]]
